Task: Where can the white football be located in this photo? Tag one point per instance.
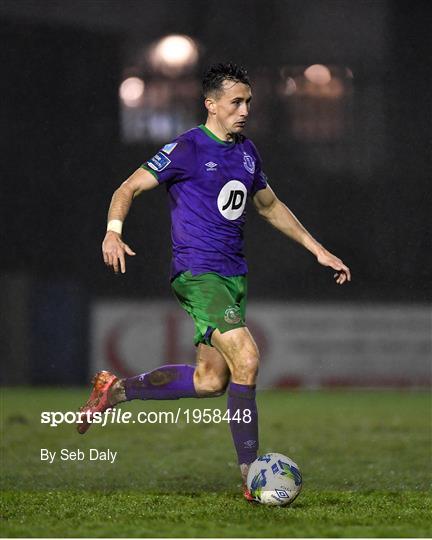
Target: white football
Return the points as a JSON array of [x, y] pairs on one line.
[[274, 479]]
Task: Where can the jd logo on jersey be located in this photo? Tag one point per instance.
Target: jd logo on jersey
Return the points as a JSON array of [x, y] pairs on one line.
[[232, 199], [235, 200]]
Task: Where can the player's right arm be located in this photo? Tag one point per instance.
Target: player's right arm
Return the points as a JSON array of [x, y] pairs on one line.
[[113, 247]]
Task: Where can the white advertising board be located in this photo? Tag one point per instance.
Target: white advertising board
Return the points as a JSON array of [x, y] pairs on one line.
[[301, 344]]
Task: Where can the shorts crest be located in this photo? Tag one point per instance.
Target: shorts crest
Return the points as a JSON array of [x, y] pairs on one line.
[[232, 315]]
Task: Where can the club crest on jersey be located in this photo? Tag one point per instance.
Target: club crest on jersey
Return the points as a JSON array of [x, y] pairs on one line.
[[248, 163], [159, 162], [231, 200]]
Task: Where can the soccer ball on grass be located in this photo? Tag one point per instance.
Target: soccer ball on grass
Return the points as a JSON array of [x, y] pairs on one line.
[[274, 479]]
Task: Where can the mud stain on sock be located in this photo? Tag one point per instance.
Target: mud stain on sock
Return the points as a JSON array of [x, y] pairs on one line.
[[159, 378]]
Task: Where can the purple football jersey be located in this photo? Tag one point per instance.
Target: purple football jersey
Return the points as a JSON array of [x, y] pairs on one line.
[[208, 181]]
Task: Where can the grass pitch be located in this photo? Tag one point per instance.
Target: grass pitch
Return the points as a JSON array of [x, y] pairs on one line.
[[365, 459]]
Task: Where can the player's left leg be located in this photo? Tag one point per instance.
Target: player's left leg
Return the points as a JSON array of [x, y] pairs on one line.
[[241, 353], [218, 305]]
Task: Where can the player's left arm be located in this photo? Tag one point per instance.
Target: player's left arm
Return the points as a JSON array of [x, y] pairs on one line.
[[280, 216]]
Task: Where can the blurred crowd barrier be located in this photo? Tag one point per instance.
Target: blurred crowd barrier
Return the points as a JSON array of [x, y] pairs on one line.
[[304, 345]]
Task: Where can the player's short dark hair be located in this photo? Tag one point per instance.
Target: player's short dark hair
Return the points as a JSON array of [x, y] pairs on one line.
[[216, 74]]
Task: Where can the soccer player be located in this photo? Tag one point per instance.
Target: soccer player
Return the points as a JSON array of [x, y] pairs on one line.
[[209, 173]]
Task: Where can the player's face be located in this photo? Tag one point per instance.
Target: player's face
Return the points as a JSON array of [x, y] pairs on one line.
[[231, 107]]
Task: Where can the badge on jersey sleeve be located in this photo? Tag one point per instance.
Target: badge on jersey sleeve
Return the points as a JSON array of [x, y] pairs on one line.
[[159, 162], [168, 148]]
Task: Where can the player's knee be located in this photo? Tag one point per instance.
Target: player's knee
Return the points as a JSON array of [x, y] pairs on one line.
[[239, 345], [245, 369], [247, 357], [242, 353], [251, 364], [246, 363], [210, 385], [216, 387]]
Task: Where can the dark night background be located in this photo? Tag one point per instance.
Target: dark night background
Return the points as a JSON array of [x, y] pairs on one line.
[[62, 155]]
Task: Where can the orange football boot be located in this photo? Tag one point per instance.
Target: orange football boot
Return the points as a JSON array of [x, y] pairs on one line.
[[247, 494], [98, 400]]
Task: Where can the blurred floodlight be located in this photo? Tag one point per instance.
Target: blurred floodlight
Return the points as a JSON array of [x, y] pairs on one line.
[[318, 74], [174, 54], [131, 91]]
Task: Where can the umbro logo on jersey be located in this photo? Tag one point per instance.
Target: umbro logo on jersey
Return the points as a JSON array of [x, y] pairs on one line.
[[211, 166]]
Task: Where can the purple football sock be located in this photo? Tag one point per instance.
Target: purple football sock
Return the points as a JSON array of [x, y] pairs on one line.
[[245, 434], [166, 382]]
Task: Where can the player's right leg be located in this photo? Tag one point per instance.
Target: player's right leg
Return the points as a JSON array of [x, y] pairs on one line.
[[212, 374], [208, 378], [98, 401]]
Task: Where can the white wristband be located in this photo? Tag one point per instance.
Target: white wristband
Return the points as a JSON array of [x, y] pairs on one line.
[[115, 225]]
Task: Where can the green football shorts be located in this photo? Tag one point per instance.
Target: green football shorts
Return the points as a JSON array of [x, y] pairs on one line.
[[213, 301]]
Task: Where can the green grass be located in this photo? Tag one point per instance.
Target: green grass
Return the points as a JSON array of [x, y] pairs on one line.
[[365, 459]]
